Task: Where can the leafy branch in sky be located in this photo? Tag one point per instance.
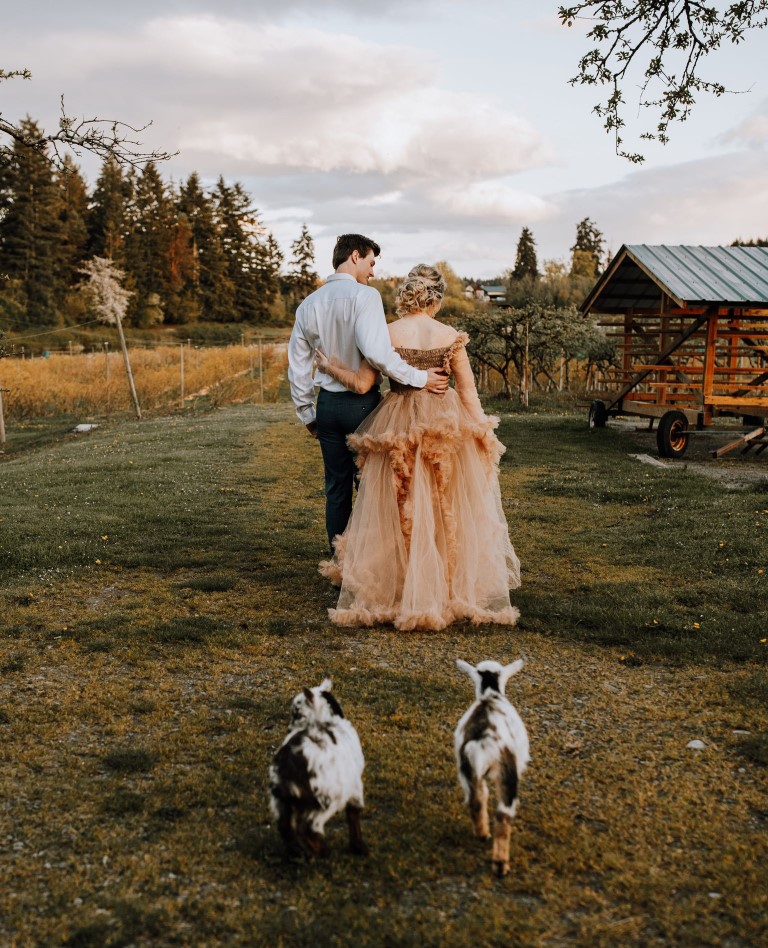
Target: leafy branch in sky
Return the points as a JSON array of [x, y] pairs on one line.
[[667, 40], [106, 138]]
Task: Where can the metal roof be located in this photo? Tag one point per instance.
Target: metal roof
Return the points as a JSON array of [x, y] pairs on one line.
[[693, 276]]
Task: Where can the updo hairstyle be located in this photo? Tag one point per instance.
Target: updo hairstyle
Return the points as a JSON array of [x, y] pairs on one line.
[[423, 288]]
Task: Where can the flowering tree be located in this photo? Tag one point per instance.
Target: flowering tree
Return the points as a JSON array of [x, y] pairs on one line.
[[107, 297], [109, 300]]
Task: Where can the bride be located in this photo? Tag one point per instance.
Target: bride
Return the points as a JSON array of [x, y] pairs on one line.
[[427, 543]]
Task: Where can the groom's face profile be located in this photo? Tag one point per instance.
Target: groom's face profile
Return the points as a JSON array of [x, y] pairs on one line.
[[363, 266]]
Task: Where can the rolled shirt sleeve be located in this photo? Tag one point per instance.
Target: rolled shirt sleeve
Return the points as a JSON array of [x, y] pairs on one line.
[[373, 341], [300, 358]]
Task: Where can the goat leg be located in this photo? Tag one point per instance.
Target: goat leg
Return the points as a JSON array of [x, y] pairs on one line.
[[502, 831], [478, 808], [286, 829], [356, 844]]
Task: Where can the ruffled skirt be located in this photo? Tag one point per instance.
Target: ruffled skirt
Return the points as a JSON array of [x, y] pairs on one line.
[[427, 543]]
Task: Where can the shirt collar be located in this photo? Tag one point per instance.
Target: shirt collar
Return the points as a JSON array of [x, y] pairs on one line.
[[340, 276]]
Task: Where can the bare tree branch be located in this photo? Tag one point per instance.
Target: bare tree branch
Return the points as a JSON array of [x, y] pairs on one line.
[[676, 35], [105, 138]]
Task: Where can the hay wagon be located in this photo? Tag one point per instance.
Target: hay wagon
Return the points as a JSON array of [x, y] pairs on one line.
[[691, 325]]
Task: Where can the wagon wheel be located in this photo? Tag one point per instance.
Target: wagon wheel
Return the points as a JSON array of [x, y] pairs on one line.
[[672, 435], [598, 414]]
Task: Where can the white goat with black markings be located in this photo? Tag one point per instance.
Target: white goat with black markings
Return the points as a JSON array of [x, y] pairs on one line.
[[491, 744], [317, 772]]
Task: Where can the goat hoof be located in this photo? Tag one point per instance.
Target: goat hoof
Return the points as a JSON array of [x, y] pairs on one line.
[[359, 849], [501, 868], [484, 837]]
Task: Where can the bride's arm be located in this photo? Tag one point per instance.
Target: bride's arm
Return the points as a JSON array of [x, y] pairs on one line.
[[465, 383], [361, 381]]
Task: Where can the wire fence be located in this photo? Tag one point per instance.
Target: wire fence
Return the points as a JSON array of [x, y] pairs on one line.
[[171, 376]]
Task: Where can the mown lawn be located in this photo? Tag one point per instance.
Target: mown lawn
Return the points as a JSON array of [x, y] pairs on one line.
[[160, 608]]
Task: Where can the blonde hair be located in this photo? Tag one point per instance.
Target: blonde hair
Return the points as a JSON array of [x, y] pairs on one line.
[[420, 290]]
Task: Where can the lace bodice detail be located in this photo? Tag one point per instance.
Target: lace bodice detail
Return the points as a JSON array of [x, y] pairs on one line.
[[433, 358], [423, 358]]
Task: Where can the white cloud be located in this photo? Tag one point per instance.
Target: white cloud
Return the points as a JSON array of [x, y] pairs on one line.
[[300, 100], [407, 138], [709, 201], [492, 200], [752, 131]]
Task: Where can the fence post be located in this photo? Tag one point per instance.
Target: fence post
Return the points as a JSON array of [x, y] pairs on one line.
[[261, 372], [181, 368], [2, 419], [106, 376]]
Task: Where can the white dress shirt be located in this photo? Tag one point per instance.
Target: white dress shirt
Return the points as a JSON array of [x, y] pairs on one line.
[[344, 318]]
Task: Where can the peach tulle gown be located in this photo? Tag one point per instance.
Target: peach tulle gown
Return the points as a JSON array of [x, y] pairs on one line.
[[427, 543]]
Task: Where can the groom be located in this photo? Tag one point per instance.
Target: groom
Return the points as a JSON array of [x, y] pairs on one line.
[[345, 319]]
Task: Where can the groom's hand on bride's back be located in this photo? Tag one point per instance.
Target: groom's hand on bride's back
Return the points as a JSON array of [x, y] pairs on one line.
[[437, 381]]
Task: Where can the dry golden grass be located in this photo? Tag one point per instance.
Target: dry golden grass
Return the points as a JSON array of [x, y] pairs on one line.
[[96, 384]]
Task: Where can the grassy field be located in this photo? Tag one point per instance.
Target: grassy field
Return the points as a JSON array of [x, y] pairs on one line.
[[160, 608]]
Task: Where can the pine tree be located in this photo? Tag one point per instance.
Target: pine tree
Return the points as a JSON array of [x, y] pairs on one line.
[[107, 220], [526, 264], [587, 253], [210, 284], [245, 243], [30, 236], [148, 249], [73, 215], [301, 270]]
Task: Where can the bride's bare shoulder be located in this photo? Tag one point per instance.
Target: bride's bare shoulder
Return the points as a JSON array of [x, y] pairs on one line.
[[444, 335], [422, 334]]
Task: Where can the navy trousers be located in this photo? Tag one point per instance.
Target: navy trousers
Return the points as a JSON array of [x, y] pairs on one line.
[[338, 415]]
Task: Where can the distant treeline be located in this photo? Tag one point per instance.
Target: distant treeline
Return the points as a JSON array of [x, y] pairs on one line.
[[189, 253]]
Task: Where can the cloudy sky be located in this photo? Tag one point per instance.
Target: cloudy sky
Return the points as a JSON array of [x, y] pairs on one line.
[[438, 128]]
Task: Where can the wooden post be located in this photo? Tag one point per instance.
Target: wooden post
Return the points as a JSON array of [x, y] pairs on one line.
[[131, 383], [708, 376], [181, 369], [526, 367], [261, 372], [2, 418], [106, 357]]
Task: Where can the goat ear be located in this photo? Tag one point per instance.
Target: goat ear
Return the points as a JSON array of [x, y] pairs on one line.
[[510, 670], [308, 695], [326, 685], [466, 667]]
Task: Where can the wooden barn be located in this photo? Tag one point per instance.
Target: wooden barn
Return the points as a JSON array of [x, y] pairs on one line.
[[691, 326]]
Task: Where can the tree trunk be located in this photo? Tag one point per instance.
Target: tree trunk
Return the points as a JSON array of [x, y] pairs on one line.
[[131, 384]]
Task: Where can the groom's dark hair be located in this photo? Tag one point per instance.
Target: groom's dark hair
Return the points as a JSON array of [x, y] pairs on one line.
[[346, 245]]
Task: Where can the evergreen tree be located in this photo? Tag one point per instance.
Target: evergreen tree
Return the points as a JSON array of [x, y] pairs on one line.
[[526, 264], [107, 219], [244, 240], [73, 215], [753, 242], [30, 236], [587, 253], [210, 285], [148, 249], [301, 271]]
